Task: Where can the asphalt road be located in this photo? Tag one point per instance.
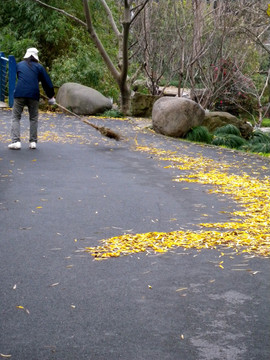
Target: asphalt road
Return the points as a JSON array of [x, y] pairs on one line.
[[58, 303]]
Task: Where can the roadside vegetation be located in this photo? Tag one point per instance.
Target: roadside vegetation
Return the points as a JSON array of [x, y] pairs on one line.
[[229, 136]]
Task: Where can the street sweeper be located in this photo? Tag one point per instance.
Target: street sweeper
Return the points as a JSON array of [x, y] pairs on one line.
[[29, 74]]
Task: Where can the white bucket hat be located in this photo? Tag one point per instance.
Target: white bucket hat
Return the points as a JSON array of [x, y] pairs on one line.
[[33, 52]]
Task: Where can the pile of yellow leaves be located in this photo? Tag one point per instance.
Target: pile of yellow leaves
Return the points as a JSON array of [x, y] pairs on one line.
[[249, 234]]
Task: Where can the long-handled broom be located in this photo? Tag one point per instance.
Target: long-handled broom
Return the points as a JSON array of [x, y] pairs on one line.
[[103, 130]]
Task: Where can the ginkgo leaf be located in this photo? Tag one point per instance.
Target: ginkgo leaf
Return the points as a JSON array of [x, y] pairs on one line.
[[248, 230], [181, 289]]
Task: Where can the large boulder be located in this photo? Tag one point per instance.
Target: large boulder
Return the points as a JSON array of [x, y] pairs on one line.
[[174, 116], [216, 119], [82, 100]]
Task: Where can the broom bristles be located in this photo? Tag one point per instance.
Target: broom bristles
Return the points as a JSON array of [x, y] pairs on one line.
[[104, 131]]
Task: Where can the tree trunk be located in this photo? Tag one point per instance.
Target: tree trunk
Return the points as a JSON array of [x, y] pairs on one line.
[[125, 99], [119, 72]]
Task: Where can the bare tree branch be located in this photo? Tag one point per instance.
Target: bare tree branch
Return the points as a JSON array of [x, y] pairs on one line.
[[110, 17], [79, 21], [139, 9]]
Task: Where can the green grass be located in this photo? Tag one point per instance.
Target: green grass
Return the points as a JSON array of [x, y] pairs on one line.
[[266, 123]]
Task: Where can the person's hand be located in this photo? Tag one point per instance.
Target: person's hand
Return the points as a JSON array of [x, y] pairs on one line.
[[52, 101]]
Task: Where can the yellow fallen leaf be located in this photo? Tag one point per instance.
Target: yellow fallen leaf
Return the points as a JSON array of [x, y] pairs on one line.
[[181, 289], [23, 308], [247, 230], [5, 356]]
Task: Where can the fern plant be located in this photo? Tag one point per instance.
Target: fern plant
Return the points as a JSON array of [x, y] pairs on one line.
[[229, 140], [228, 129], [259, 137], [199, 134], [260, 148]]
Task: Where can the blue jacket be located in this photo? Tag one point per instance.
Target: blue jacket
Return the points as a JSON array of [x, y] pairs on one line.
[[29, 76]]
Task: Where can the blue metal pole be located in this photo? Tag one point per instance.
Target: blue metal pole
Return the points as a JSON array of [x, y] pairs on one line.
[[3, 67], [11, 79]]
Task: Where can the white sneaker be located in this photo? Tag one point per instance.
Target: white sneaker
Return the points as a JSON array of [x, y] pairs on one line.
[[15, 146], [33, 145]]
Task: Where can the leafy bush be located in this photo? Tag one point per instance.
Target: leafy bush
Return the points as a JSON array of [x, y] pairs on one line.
[[85, 70], [228, 129], [199, 134], [260, 148], [259, 137], [229, 140], [80, 70], [113, 113], [259, 143]]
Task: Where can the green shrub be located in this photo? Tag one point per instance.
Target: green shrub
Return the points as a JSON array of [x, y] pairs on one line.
[[199, 134], [229, 140], [260, 148], [113, 113], [228, 129], [259, 137]]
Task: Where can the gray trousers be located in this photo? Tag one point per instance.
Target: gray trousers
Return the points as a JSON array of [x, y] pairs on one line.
[[19, 104]]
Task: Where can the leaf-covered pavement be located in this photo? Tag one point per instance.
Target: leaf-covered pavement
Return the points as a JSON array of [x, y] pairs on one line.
[[244, 182], [250, 234], [177, 302]]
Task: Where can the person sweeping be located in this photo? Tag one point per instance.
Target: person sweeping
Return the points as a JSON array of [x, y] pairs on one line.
[[29, 74]]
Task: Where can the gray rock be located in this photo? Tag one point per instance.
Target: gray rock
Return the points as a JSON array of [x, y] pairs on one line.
[[82, 100], [174, 116], [216, 119], [142, 104]]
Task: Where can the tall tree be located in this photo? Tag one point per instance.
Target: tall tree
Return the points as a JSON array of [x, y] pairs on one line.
[[155, 42], [129, 13]]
